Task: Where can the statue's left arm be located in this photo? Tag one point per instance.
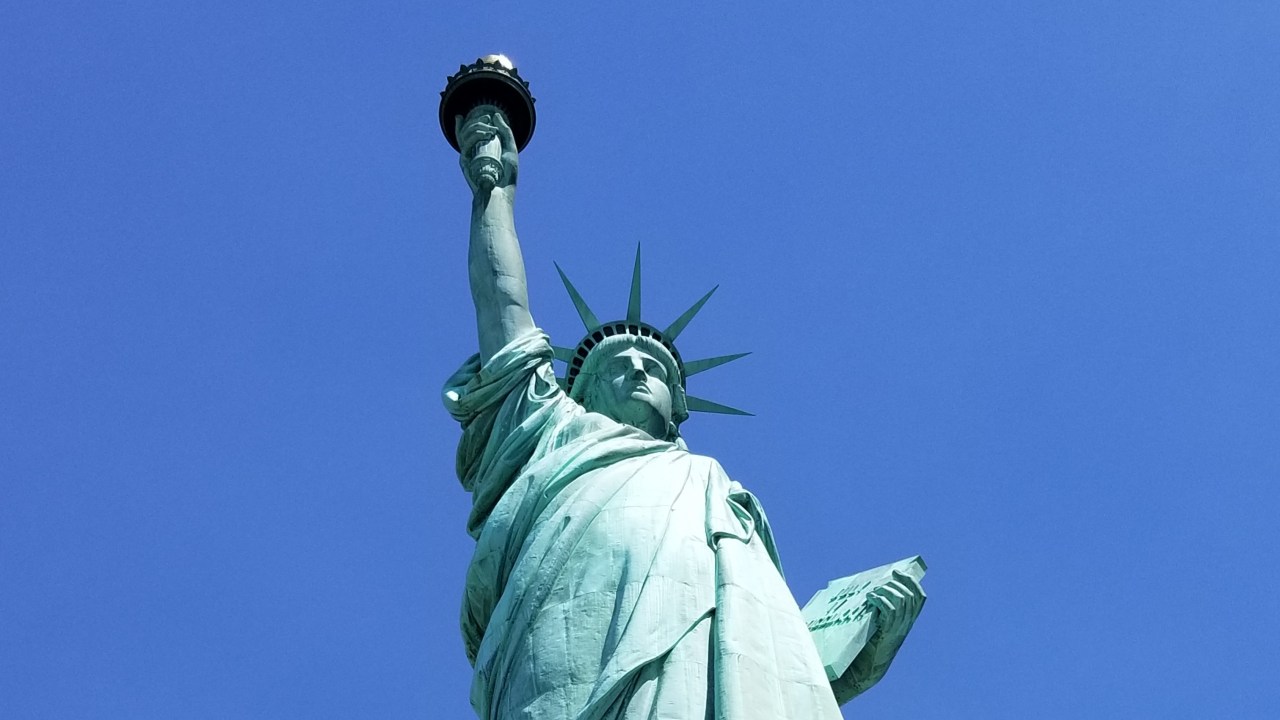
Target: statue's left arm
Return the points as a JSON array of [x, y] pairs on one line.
[[898, 603]]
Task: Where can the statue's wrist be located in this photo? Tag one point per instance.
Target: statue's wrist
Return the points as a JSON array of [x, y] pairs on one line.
[[493, 208], [882, 654], [500, 195]]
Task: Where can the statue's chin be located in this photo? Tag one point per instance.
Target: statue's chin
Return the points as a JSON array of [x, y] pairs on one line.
[[637, 413]]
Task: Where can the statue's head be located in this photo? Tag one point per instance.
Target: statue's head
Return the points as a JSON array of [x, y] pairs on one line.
[[630, 370], [636, 381]]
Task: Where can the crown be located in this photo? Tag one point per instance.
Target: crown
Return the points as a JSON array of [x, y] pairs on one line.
[[633, 325]]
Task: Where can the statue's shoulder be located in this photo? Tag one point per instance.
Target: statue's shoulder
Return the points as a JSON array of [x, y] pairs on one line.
[[711, 465]]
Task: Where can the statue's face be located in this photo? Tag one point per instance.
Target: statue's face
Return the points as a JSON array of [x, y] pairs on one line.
[[631, 387]]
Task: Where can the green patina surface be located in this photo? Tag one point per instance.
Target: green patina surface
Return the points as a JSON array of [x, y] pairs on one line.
[[617, 574]]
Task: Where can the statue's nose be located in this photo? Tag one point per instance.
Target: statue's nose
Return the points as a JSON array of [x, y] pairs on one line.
[[636, 372]]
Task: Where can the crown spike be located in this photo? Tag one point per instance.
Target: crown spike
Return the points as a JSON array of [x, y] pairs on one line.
[[588, 318], [633, 304], [693, 367], [697, 404], [677, 327], [562, 353]]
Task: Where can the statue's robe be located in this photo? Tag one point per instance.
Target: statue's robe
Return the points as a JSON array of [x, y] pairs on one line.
[[615, 576]]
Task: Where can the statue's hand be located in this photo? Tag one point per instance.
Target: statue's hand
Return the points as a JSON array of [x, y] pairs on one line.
[[488, 149], [898, 604]]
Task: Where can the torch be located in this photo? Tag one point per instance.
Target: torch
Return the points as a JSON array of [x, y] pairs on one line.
[[491, 80]]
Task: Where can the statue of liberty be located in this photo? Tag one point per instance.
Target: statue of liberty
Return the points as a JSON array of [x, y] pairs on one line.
[[616, 574]]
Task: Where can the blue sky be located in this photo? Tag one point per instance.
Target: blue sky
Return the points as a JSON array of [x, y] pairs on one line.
[[1008, 271]]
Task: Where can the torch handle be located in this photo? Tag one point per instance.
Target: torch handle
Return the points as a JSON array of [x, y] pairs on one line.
[[486, 164]]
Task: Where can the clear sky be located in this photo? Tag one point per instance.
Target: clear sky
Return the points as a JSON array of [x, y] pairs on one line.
[[1010, 273]]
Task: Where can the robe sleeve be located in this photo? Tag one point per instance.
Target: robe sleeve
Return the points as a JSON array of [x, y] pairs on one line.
[[505, 408]]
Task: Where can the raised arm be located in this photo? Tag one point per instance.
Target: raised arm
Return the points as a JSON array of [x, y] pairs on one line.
[[494, 262]]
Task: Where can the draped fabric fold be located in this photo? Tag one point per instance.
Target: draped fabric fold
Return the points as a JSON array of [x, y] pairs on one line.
[[615, 576]]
